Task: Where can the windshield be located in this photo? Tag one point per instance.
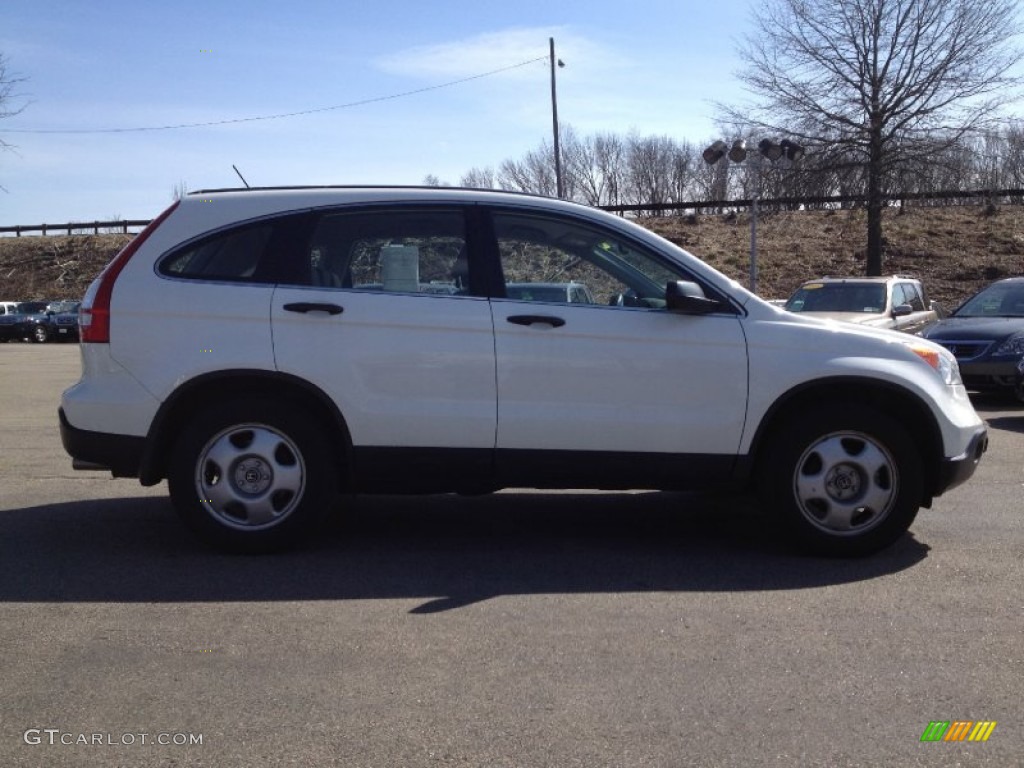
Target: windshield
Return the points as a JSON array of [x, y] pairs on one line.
[[998, 300], [868, 298]]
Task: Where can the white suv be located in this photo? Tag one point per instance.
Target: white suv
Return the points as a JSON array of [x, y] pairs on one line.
[[267, 350]]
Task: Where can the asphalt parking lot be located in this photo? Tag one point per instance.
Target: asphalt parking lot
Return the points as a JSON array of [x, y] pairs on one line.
[[518, 629]]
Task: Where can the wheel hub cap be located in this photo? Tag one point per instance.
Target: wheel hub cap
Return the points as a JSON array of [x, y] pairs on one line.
[[843, 482], [250, 476], [253, 476]]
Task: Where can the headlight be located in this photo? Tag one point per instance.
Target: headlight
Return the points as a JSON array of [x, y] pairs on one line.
[[941, 361], [1013, 346]]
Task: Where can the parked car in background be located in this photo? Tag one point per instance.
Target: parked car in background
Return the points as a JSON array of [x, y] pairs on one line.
[[8, 322], [896, 302], [59, 322], [986, 335], [18, 323], [566, 293]]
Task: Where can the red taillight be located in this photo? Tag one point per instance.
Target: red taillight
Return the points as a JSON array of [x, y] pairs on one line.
[[94, 314]]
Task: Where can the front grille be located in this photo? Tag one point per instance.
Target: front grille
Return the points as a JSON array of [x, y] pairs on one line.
[[965, 350]]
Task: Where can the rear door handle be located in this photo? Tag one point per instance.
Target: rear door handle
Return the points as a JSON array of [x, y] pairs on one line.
[[554, 322], [312, 306]]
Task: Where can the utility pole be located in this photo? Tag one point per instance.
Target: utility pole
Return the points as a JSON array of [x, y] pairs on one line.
[[559, 186]]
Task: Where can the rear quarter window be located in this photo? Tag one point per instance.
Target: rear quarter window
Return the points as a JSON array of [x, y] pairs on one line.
[[236, 255]]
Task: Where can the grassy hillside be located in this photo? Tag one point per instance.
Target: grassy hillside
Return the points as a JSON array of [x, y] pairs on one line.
[[955, 250]]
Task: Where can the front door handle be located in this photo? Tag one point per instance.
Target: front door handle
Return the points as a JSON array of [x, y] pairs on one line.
[[554, 322], [312, 306]]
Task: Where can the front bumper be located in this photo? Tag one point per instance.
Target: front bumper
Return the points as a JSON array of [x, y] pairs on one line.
[[121, 455], [959, 469], [988, 373]]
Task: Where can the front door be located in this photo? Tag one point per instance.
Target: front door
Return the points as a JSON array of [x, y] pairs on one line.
[[585, 388]]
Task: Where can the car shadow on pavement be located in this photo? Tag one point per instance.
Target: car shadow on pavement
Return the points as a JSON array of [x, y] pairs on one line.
[[989, 403], [450, 551]]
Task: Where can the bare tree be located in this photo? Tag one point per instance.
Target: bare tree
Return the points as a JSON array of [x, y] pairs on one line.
[[651, 161], [8, 82], [878, 83], [534, 173], [179, 190], [479, 178]]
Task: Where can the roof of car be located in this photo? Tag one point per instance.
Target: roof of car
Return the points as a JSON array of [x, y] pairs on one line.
[[413, 190], [861, 279]]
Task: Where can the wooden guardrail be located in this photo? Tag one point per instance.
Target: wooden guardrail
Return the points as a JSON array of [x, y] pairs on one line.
[[75, 227]]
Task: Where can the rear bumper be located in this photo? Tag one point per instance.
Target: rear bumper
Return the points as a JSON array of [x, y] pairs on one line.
[[959, 469], [121, 455]]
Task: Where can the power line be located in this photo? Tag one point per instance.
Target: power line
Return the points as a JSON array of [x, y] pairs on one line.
[[360, 103]]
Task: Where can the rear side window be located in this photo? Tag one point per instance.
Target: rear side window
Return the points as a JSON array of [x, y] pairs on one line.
[[235, 255], [401, 251]]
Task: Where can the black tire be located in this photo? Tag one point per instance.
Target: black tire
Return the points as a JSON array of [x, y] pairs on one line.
[[843, 479], [252, 476], [40, 335]]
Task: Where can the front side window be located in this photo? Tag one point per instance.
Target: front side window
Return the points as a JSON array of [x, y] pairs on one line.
[[556, 260], [401, 251], [912, 296]]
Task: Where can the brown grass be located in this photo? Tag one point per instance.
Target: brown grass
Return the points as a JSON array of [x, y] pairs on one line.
[[955, 250]]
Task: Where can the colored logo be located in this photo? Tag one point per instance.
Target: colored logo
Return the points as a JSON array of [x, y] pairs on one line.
[[958, 730]]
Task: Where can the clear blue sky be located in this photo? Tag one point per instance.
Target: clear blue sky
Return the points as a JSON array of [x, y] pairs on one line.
[[652, 67]]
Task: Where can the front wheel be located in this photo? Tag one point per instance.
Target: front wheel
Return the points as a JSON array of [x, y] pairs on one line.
[[251, 476], [40, 335], [844, 479]]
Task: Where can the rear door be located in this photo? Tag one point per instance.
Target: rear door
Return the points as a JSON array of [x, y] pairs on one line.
[[380, 314]]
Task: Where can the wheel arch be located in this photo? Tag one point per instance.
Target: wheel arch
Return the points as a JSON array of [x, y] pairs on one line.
[[203, 390], [894, 401]]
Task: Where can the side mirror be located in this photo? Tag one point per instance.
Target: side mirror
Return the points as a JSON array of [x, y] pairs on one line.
[[902, 310], [688, 298]]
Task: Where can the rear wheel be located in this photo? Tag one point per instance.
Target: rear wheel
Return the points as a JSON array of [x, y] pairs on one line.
[[844, 479], [251, 476]]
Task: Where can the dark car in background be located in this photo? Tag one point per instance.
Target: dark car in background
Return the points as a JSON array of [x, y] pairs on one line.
[[20, 324], [58, 322], [986, 335]]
